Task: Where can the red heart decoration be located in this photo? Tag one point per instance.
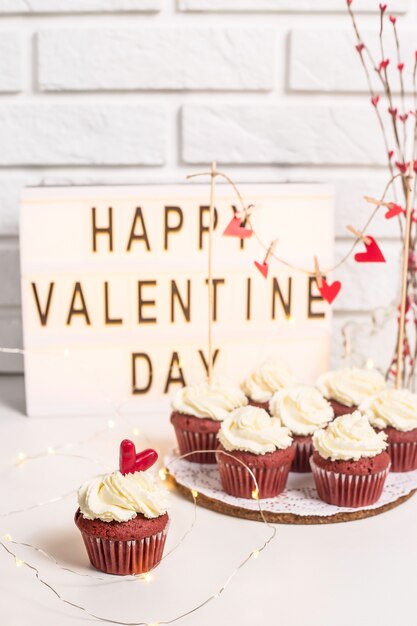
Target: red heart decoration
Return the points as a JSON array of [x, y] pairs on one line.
[[375, 100], [393, 210], [329, 292], [130, 462], [390, 154], [263, 268], [235, 229], [373, 253]]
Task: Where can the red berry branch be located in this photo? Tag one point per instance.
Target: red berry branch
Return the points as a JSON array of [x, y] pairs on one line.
[[401, 149]]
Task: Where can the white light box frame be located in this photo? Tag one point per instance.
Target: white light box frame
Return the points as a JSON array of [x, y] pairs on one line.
[[114, 291]]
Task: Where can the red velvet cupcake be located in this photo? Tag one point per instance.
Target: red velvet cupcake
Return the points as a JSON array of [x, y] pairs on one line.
[[394, 411], [123, 520], [251, 438], [303, 410], [198, 411], [347, 388], [350, 463], [269, 377]]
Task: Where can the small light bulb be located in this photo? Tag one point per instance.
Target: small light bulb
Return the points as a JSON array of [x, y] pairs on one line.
[[66, 352], [18, 562], [181, 363], [255, 494], [163, 473], [290, 319], [50, 450], [20, 458], [194, 493], [146, 577], [111, 424], [255, 554], [136, 432], [7, 537], [370, 364]]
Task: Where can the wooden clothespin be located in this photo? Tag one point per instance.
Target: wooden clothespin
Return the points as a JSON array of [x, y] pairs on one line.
[[319, 277], [270, 250], [366, 240], [378, 202]]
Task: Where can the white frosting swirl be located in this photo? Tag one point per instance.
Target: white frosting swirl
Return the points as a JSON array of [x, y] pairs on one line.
[[251, 429], [350, 385], [117, 497], [349, 437], [392, 407], [266, 379], [302, 409], [214, 400]]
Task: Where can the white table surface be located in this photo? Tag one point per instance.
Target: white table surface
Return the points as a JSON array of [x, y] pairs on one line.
[[361, 572]]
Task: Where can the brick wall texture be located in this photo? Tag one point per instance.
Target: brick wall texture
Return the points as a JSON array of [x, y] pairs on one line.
[[114, 91]]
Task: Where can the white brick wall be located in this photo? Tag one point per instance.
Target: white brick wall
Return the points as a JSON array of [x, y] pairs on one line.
[[107, 91]]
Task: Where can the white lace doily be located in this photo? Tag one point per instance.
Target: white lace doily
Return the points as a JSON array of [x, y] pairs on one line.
[[299, 498]]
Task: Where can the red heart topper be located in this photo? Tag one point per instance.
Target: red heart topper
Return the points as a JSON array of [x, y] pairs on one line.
[[372, 254], [130, 462], [235, 229], [329, 292]]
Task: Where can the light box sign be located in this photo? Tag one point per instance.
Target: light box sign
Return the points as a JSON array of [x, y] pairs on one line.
[[115, 297]]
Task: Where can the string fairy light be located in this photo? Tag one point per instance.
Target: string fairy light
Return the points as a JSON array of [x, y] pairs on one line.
[[7, 540]]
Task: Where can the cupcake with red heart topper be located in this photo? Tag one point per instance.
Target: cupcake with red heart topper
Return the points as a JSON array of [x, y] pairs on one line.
[[261, 384], [303, 410], [394, 411], [350, 462], [346, 388], [252, 439], [123, 516], [197, 412]]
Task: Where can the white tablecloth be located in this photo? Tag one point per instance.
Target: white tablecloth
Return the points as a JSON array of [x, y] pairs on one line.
[[361, 572]]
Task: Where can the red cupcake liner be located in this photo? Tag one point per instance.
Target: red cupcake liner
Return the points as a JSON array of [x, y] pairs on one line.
[[350, 490], [189, 441], [135, 556], [303, 452], [403, 455], [237, 481]]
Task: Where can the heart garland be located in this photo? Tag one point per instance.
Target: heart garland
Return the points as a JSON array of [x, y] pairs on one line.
[[372, 253], [130, 462], [393, 211], [236, 229], [329, 292], [263, 268]]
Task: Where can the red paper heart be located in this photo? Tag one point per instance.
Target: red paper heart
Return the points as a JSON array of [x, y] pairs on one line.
[[235, 229], [130, 462], [330, 292], [263, 268], [373, 253], [375, 100], [393, 210]]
